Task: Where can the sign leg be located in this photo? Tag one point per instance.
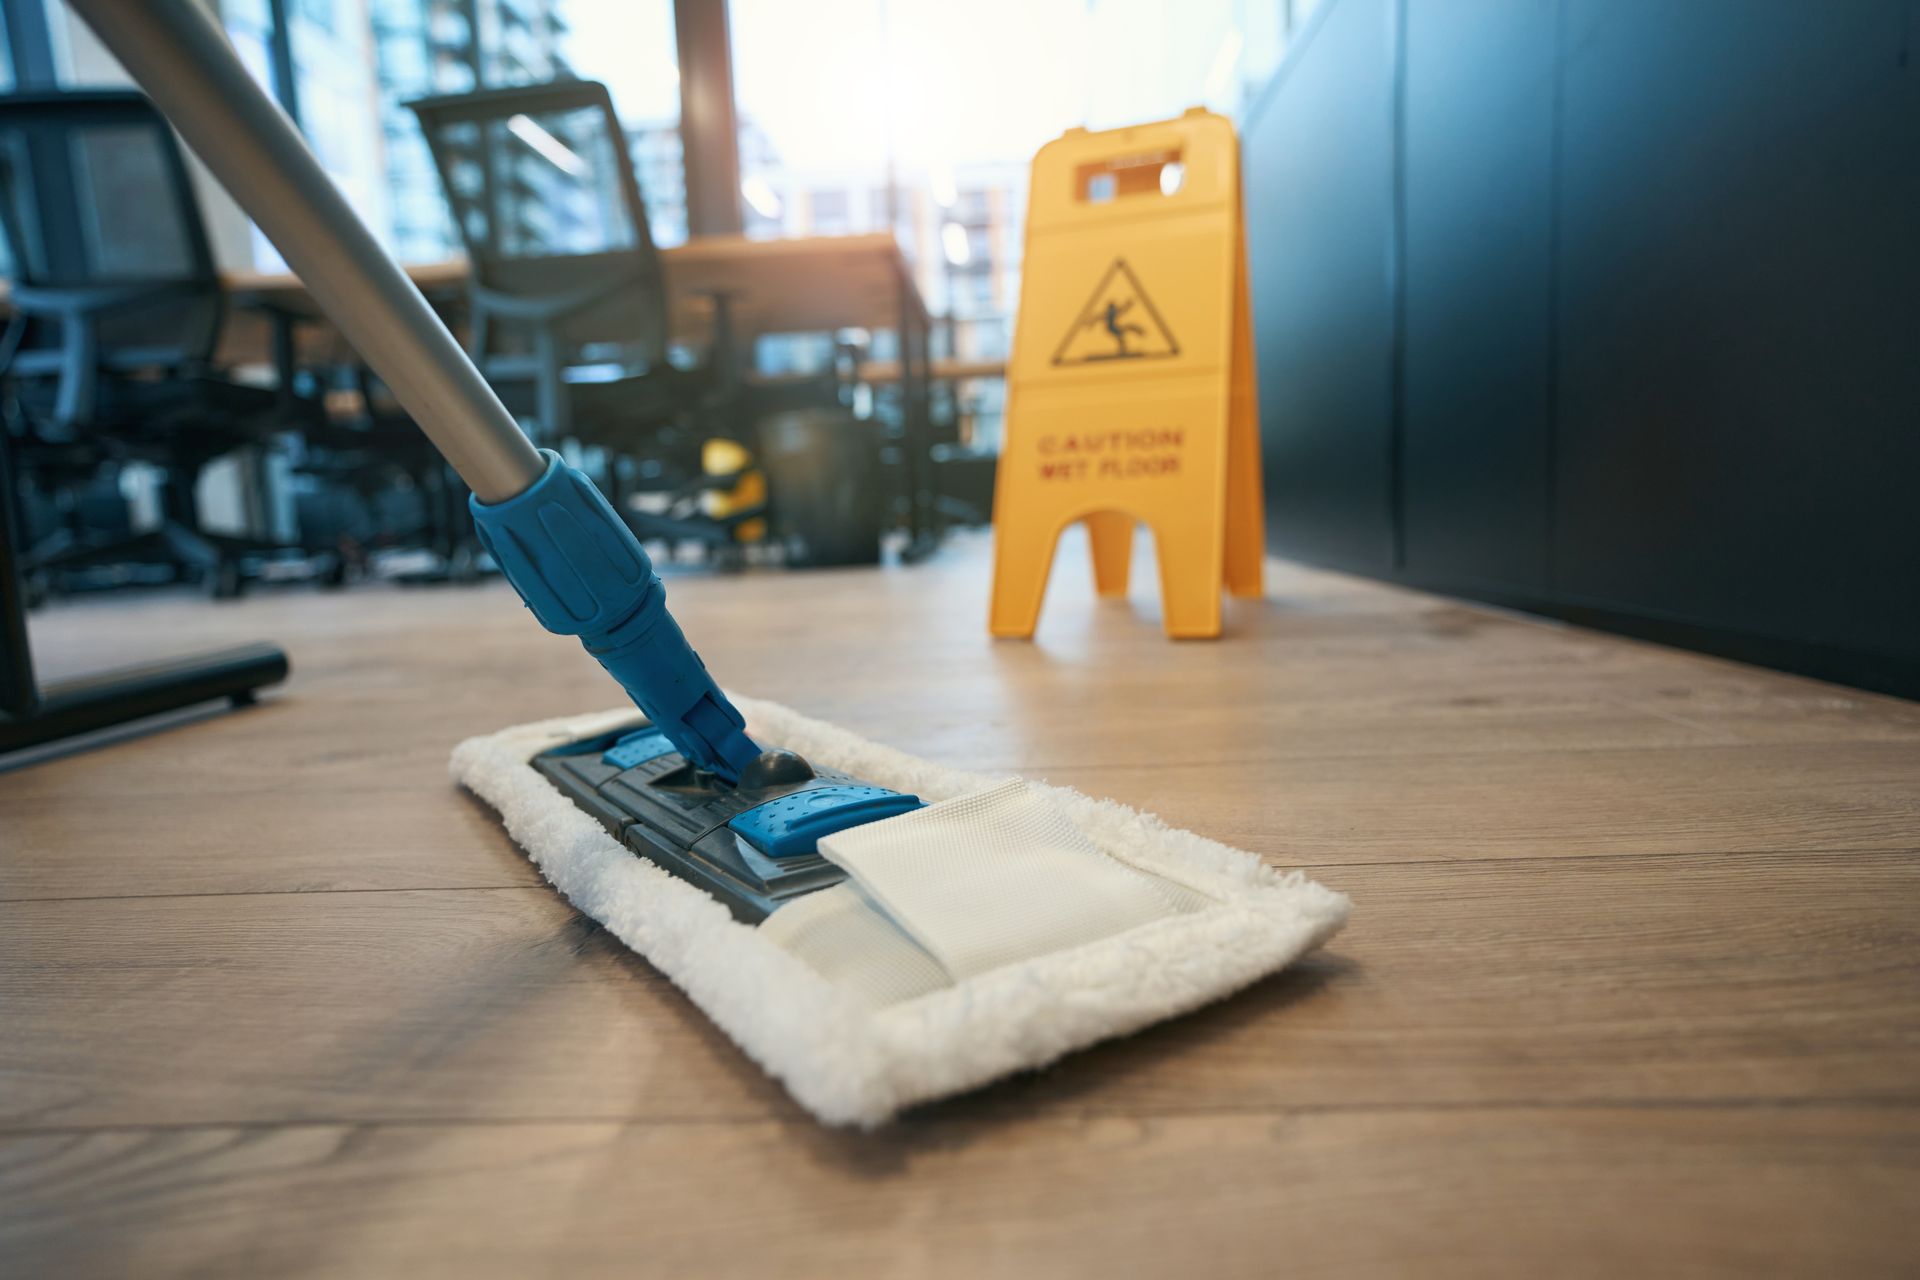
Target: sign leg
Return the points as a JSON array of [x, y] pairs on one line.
[[1022, 560], [1191, 556]]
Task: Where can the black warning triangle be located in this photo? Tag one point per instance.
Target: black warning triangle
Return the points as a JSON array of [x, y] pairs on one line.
[[1119, 322]]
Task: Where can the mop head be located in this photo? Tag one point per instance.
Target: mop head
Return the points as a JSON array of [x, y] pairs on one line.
[[1004, 925]]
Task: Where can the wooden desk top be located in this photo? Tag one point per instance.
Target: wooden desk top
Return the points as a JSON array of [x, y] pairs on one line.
[[1631, 988], [807, 284]]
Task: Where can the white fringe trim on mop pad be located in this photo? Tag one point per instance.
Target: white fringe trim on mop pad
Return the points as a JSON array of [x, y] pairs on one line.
[[1007, 924]]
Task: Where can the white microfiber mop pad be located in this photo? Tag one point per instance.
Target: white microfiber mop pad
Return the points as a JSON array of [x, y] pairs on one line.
[[858, 1018]]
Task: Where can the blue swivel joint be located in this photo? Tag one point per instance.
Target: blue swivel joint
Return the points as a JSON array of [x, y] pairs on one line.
[[583, 573]]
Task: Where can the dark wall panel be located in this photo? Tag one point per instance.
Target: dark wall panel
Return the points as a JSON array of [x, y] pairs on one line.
[[1478, 156], [1604, 308], [1739, 316], [1319, 199]]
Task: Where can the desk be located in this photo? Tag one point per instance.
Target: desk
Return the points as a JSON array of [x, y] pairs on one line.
[[805, 285], [1629, 986], [811, 284]]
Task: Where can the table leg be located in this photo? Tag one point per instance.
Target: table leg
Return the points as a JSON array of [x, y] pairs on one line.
[[915, 333]]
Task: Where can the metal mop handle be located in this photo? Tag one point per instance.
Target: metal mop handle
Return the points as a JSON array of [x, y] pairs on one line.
[[573, 560], [181, 58]]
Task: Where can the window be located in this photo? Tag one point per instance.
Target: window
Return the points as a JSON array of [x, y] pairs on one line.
[[355, 76], [924, 115], [830, 212]]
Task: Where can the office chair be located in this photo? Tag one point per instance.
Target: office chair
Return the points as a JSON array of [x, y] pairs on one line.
[[116, 310], [566, 278]]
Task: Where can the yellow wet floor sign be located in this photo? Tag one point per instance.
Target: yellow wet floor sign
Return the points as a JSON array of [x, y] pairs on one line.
[[1131, 387]]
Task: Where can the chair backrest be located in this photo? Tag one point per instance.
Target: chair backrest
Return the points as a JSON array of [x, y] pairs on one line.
[[541, 185], [111, 264]]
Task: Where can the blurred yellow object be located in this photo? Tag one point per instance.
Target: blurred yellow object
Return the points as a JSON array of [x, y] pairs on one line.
[[1131, 387], [719, 457]]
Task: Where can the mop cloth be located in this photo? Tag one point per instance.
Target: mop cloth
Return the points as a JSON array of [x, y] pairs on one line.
[[1003, 926]]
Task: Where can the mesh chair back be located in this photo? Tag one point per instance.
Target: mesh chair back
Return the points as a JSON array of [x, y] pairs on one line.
[[104, 235], [542, 190]]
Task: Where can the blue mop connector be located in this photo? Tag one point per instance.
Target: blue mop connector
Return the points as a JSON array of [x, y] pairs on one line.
[[583, 573]]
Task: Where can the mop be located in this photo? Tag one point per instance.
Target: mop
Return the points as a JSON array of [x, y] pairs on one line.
[[873, 929]]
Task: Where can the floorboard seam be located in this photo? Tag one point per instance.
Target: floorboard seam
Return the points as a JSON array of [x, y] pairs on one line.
[[1522, 860], [1812, 1102], [276, 893], [1536, 859]]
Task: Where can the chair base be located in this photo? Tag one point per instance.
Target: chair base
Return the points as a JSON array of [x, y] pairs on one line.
[[189, 552]]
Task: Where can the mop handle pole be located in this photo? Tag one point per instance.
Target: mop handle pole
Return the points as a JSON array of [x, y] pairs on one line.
[[177, 53]]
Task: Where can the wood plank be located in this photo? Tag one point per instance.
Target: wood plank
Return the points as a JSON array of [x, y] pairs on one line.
[[1371, 786], [1520, 1192], [1578, 981], [1319, 641], [1551, 804], [1581, 981], [288, 768], [361, 1006], [259, 841]]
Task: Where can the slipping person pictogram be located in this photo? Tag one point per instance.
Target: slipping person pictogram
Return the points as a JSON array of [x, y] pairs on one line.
[[1114, 310], [1110, 328]]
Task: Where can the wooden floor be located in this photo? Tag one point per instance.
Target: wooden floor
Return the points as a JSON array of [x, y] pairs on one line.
[[1632, 984]]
